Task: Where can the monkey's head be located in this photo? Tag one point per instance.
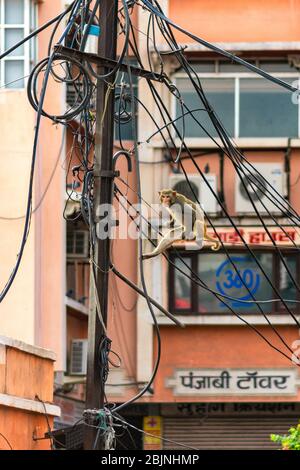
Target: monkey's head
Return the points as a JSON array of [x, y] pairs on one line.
[[167, 197]]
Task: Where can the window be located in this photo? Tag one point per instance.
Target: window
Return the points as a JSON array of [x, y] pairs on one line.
[[217, 273], [14, 26], [220, 94], [77, 243], [247, 105]]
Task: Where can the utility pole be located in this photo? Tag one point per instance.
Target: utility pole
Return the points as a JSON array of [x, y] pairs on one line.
[[103, 180]]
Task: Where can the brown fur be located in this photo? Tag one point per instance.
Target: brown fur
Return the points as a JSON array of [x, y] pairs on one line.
[[168, 197]]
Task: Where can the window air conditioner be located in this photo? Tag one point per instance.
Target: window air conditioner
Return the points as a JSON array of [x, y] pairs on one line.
[[78, 365], [204, 194], [260, 191]]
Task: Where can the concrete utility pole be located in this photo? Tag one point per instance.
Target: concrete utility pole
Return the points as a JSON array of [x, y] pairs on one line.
[[103, 167]]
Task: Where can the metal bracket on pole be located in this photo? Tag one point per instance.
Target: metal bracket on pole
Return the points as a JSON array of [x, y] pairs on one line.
[[108, 63]]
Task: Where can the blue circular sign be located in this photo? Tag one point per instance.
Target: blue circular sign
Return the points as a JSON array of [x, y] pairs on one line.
[[242, 284]]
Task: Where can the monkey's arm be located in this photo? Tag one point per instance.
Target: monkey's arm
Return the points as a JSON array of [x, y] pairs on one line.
[[170, 220]]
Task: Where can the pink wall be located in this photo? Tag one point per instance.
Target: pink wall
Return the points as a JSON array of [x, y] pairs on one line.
[[123, 299], [50, 248]]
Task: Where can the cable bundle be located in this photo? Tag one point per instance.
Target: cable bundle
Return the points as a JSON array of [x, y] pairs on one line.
[[80, 120]]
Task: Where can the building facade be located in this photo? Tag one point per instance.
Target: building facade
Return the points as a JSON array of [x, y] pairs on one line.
[[201, 388], [219, 384]]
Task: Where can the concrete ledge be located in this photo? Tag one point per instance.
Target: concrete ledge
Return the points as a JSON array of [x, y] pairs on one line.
[[29, 405], [222, 319], [240, 142], [239, 46], [76, 305], [28, 348]]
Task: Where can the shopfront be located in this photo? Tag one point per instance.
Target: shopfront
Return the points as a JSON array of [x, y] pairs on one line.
[[233, 279], [217, 426]]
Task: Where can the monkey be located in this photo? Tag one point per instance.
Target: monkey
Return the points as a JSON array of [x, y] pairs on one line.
[[175, 204]]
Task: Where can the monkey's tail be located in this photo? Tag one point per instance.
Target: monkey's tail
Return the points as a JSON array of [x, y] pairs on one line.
[[216, 246]]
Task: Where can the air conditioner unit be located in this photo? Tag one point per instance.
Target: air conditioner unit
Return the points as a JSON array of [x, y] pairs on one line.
[[261, 193], [204, 194], [78, 365], [77, 243]]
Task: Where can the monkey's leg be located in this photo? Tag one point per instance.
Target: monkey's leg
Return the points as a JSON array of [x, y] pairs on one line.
[[217, 245], [199, 232], [170, 237]]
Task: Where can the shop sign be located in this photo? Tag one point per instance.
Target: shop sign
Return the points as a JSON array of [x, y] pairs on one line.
[[234, 382], [258, 235], [152, 432]]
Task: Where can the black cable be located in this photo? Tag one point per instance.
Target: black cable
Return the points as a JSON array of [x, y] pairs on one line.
[[134, 128], [235, 299], [224, 138], [47, 185], [223, 135], [34, 33], [158, 98], [171, 441], [31, 178], [6, 440], [153, 92], [193, 278], [232, 57]]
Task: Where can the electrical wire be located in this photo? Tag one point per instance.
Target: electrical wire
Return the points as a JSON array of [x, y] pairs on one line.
[[158, 99], [228, 55], [142, 275], [194, 277], [7, 441], [39, 110], [48, 183], [38, 30], [81, 114], [171, 441]]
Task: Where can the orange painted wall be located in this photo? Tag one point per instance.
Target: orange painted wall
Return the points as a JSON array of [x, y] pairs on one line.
[[28, 376], [219, 347], [25, 376], [238, 21], [18, 427]]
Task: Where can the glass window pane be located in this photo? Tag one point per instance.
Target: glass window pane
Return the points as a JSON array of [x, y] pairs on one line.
[[14, 11], [286, 286], [276, 66], [14, 69], [182, 285], [217, 272], [12, 36], [204, 67], [229, 67], [220, 94], [79, 240], [266, 110]]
